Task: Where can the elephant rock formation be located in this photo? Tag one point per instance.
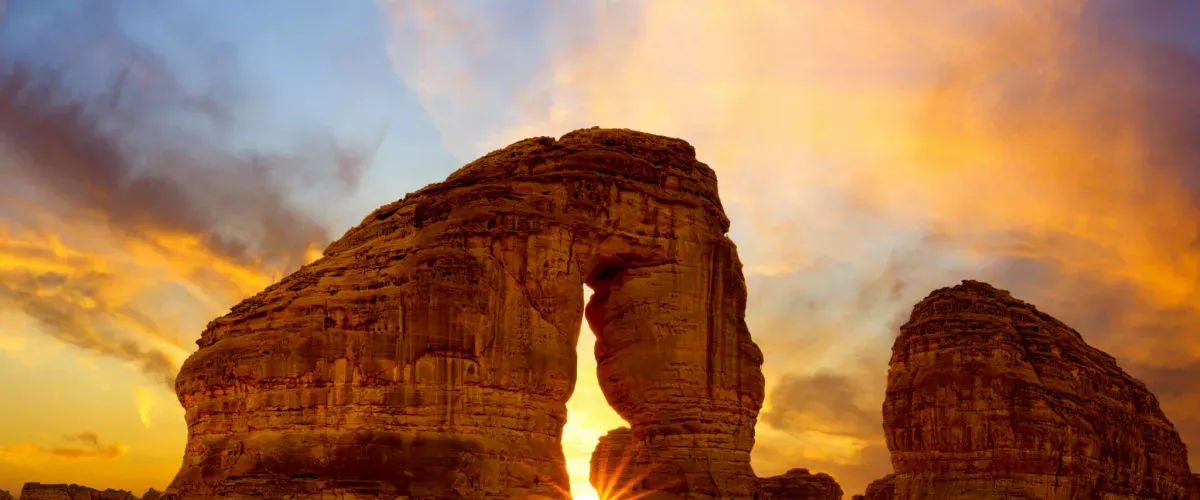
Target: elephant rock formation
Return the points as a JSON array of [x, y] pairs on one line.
[[431, 350]]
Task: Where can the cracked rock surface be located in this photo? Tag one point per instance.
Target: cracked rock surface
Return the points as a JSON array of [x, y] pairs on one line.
[[987, 397], [430, 352]]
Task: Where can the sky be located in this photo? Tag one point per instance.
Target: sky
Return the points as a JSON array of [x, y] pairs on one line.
[[163, 160]]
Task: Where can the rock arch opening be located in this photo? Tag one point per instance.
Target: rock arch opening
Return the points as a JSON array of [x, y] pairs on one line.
[[589, 416]]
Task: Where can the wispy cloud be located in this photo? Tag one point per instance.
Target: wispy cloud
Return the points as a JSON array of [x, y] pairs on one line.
[[89, 448], [144, 401]]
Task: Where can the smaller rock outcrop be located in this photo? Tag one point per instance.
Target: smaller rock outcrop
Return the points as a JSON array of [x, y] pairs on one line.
[[799, 484], [5, 495], [152, 494], [621, 467], [38, 491], [883, 488], [988, 397], [613, 464]]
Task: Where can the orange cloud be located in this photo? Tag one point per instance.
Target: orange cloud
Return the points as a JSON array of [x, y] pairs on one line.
[[92, 449]]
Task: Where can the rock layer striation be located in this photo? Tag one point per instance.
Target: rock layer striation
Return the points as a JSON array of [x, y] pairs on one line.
[[988, 397], [430, 352]]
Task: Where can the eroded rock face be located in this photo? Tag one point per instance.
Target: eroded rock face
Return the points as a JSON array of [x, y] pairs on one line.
[[618, 465], [883, 488], [38, 491], [151, 494], [988, 397], [430, 352], [5, 495], [799, 484]]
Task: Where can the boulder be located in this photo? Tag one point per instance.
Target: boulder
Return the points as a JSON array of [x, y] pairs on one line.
[[618, 464], [799, 484], [883, 488]]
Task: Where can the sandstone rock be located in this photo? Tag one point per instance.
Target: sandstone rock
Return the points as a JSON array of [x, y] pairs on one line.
[[618, 464], [799, 484], [38, 491], [5, 495], [987, 397], [430, 352], [883, 488], [152, 494]]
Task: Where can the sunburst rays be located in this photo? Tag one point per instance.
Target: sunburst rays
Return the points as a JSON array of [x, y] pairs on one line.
[[607, 481]]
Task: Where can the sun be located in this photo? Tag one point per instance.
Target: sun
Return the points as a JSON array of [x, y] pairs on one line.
[[586, 494]]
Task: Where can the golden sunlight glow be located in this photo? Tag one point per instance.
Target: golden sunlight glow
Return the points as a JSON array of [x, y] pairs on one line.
[[312, 254]]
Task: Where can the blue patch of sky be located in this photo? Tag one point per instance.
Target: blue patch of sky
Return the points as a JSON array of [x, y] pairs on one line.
[[294, 71]]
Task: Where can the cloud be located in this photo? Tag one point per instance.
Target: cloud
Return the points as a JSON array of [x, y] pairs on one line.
[[826, 421], [90, 448], [871, 151], [95, 452], [823, 402], [143, 400], [463, 60], [131, 207]]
